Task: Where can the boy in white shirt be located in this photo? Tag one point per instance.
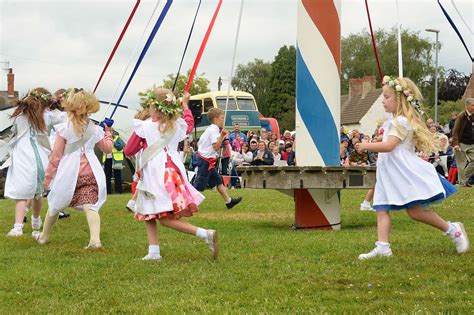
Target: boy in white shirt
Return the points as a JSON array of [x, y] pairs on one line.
[[208, 146]]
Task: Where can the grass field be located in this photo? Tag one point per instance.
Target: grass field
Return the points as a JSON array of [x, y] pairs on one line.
[[264, 267]]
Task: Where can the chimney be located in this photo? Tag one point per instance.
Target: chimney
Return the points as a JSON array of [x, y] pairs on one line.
[[11, 83], [360, 87]]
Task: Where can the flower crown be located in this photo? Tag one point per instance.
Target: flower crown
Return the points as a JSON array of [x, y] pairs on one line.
[[168, 106], [41, 96], [402, 88]]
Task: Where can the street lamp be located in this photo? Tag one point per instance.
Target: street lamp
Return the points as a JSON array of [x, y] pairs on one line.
[[436, 73]]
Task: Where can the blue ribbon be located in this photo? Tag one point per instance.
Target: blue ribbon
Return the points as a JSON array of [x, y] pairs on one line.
[[144, 51], [455, 29], [186, 47]]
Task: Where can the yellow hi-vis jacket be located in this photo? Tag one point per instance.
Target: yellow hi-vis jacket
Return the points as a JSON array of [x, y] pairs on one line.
[[117, 155]]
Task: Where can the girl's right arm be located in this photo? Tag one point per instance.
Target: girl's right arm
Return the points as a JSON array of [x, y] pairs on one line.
[[387, 146], [54, 158], [134, 145]]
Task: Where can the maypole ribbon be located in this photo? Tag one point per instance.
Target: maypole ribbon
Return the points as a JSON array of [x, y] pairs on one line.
[[462, 19], [373, 41], [399, 36], [203, 45], [158, 23], [233, 58], [135, 49], [186, 47], [124, 30], [455, 29]]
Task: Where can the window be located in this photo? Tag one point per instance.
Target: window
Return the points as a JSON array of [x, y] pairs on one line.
[[222, 100], [246, 103], [208, 104]]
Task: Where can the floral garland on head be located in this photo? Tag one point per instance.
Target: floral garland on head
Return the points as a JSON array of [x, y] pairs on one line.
[[41, 96], [169, 106], [402, 88]]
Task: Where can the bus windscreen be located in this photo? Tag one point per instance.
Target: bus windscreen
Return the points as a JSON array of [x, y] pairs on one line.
[[246, 103], [222, 100]]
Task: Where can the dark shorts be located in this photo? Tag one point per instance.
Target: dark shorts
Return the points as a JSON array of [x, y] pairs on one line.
[[206, 177]]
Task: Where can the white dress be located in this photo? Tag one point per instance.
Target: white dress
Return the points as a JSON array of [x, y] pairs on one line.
[[29, 161], [153, 173], [64, 183], [54, 117], [402, 176]]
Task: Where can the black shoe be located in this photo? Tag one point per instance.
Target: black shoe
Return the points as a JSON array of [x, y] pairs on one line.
[[233, 202], [25, 220], [63, 215]]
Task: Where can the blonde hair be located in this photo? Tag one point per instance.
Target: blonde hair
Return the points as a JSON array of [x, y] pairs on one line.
[[79, 104], [167, 121], [143, 114], [423, 139], [213, 113], [33, 106]]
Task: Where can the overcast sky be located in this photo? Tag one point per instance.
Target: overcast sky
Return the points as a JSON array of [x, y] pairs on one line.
[[66, 43]]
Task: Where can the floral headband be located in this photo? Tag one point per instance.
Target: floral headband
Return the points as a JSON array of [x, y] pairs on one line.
[[41, 96], [168, 106], [402, 88]]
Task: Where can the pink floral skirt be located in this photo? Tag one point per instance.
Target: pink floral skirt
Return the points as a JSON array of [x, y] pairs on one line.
[[183, 203], [87, 191]]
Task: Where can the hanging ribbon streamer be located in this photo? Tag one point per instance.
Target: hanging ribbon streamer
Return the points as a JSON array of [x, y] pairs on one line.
[[131, 59], [203, 45], [373, 42], [460, 15], [186, 47], [124, 30], [233, 58], [400, 54], [158, 23], [455, 29]]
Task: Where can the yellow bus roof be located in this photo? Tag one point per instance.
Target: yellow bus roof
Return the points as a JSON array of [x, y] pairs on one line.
[[220, 94]]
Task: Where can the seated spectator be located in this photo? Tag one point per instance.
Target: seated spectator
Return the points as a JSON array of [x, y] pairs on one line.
[[237, 143], [276, 153], [343, 152], [289, 155], [444, 158], [287, 137], [356, 158], [281, 146], [236, 132], [244, 157], [262, 156], [263, 135], [253, 145], [275, 137], [271, 144]]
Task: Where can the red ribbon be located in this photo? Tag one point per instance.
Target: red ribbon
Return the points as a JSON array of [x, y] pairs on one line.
[[118, 42], [203, 45], [373, 42]]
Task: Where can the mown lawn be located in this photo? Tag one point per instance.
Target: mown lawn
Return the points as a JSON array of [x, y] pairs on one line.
[[264, 267]]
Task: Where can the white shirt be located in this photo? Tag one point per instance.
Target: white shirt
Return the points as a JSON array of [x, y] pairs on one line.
[[208, 138]]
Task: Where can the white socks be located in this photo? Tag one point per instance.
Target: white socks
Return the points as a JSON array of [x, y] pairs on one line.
[[365, 203], [451, 229], [382, 247], [228, 200], [36, 223], [93, 220], [18, 227], [153, 253], [201, 233]]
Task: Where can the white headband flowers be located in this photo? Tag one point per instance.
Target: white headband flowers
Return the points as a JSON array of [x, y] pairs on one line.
[[402, 87]]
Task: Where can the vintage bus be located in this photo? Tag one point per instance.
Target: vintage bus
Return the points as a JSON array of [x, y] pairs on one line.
[[241, 109]]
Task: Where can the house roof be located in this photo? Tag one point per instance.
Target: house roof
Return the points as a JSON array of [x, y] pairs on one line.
[[353, 109], [5, 101]]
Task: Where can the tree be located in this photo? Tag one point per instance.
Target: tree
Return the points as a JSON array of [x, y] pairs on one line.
[[283, 87], [254, 78], [199, 85], [358, 58], [453, 85]]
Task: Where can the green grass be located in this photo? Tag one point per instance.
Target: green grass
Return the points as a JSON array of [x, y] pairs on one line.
[[264, 267]]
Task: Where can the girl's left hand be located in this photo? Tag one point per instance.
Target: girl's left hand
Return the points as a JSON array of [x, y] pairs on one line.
[[45, 185]]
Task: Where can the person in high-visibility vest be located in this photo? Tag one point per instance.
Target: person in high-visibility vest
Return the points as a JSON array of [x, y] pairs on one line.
[[113, 163]]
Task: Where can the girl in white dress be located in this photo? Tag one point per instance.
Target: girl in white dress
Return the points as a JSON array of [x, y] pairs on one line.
[[78, 179], [28, 158], [405, 181], [164, 193]]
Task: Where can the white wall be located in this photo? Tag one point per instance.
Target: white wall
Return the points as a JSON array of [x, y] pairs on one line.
[[375, 115]]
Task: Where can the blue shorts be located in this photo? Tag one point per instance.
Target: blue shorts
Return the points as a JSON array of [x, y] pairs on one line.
[[206, 177]]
